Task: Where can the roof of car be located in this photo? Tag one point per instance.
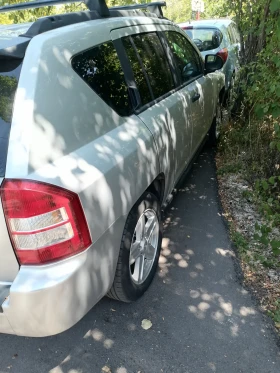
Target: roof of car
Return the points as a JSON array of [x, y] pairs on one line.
[[215, 22], [97, 9], [13, 41], [15, 30]]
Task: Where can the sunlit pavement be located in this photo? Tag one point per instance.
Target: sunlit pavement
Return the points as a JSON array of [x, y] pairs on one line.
[[202, 318]]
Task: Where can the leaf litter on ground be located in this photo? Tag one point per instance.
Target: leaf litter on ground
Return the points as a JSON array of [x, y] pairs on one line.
[[146, 324]]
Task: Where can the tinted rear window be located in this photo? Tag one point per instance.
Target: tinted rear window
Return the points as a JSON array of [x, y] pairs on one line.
[[9, 75], [101, 69], [206, 38]]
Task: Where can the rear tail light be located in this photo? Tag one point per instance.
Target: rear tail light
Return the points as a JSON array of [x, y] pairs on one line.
[[223, 53], [45, 222]]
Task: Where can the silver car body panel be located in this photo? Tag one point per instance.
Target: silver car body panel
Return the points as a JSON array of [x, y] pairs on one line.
[[63, 133], [46, 300], [12, 31]]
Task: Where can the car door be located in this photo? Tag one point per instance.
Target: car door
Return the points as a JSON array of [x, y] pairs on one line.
[[160, 106], [193, 84]]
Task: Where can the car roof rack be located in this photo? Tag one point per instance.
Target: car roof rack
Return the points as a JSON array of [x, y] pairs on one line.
[[97, 9], [98, 6]]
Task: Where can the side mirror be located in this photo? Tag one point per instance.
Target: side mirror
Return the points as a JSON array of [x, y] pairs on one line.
[[213, 63]]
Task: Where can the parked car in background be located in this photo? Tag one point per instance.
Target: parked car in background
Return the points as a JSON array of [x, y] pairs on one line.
[[101, 112], [220, 37]]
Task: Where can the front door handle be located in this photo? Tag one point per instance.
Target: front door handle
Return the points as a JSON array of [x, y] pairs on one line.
[[195, 97]]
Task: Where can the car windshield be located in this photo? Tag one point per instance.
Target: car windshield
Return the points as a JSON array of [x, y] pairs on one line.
[[205, 38], [9, 74]]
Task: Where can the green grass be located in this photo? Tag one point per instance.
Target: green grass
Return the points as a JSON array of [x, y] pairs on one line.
[[229, 168], [240, 241], [275, 314]]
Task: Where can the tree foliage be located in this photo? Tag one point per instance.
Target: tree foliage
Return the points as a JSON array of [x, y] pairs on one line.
[[252, 140]]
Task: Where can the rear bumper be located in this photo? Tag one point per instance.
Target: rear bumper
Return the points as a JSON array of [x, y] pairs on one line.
[[5, 326], [47, 300]]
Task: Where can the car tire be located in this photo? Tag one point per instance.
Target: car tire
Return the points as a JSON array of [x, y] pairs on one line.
[[139, 251], [215, 129]]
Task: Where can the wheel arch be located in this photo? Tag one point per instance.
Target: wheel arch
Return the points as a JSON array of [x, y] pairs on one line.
[[157, 187]]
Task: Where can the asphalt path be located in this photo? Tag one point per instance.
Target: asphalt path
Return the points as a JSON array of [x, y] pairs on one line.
[[203, 320]]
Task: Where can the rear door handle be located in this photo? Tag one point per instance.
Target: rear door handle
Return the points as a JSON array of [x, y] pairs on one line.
[[195, 97]]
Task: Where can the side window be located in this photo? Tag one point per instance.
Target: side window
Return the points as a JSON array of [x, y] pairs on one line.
[[101, 69], [186, 58], [138, 72], [150, 65], [231, 34]]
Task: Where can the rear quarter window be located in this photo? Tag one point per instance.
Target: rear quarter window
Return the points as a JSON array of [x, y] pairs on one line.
[[101, 69], [9, 76]]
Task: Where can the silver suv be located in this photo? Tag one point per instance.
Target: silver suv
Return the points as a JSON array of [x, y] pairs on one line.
[[101, 112], [221, 37]]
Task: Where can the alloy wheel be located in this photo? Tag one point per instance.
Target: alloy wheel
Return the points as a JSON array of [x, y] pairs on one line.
[[144, 246]]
